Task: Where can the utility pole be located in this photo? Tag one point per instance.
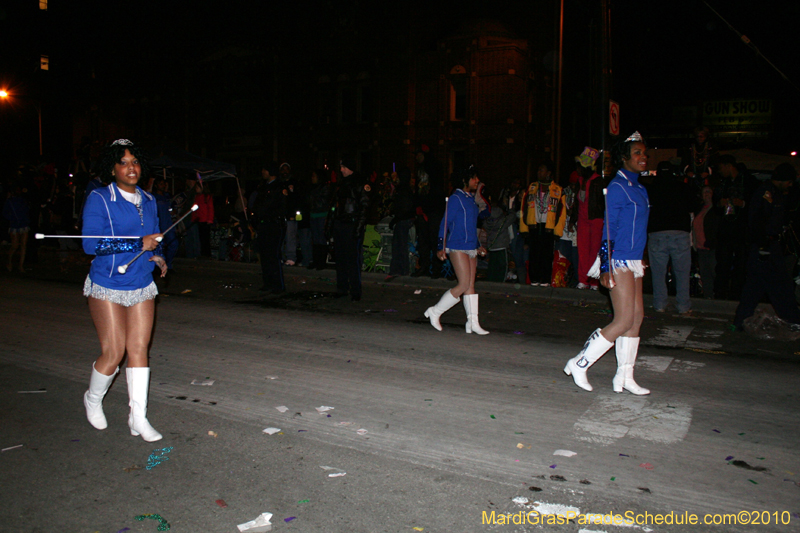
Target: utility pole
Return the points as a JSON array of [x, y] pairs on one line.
[[605, 83]]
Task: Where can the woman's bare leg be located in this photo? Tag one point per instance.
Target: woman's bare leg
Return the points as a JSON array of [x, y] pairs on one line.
[[139, 328], [464, 274], [623, 297], [638, 309], [110, 323]]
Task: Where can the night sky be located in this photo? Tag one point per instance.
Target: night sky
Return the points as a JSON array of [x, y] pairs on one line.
[[664, 53]]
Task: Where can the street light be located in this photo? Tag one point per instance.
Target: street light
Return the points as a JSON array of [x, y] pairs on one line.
[[4, 94]]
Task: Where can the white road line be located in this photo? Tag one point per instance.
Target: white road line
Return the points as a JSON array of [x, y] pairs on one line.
[[612, 417]]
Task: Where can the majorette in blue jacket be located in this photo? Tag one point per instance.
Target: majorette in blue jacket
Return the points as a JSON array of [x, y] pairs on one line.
[[461, 222], [107, 213], [626, 216]]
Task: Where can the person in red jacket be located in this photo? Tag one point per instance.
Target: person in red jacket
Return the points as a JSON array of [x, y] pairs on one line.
[[204, 217]]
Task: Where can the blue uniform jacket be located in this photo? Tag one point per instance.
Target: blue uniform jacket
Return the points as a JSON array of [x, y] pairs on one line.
[[461, 222], [107, 213], [626, 217]]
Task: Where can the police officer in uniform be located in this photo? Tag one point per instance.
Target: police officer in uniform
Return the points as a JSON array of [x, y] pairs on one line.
[[349, 204], [766, 267], [269, 209]]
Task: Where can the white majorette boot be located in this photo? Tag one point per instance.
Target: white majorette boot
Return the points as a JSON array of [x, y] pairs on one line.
[[93, 398], [593, 350], [445, 302], [627, 350], [471, 305], [138, 383]]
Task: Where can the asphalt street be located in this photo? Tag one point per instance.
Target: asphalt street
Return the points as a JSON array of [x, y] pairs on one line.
[[428, 431]]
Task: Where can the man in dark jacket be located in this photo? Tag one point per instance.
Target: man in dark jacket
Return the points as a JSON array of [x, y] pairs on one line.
[[732, 196], [766, 267], [269, 209], [669, 228], [403, 214], [349, 204]]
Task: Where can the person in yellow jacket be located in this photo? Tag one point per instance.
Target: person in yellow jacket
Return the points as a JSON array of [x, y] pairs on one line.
[[540, 218]]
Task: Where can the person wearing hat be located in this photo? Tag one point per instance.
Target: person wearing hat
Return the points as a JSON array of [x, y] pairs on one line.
[[766, 268], [591, 209], [350, 201]]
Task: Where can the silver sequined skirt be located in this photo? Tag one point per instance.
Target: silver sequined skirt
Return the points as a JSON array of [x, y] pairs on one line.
[[123, 298], [471, 253]]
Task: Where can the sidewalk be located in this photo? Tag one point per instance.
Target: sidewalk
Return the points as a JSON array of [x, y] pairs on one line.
[[700, 305]]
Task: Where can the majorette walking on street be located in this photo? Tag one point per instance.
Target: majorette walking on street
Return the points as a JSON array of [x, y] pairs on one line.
[[620, 269]]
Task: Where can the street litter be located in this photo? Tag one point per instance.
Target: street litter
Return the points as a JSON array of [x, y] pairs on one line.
[[328, 467], [743, 464], [271, 431], [132, 468], [203, 382], [186, 291], [565, 453], [212, 433], [259, 525], [31, 391], [647, 466], [289, 519], [362, 431], [418, 291], [337, 474], [157, 457], [282, 408], [553, 466], [323, 408], [303, 501], [418, 528], [534, 489], [272, 377], [163, 525], [520, 500], [221, 503], [12, 447], [557, 478]]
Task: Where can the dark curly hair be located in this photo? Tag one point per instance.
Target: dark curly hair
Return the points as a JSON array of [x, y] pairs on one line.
[[111, 155], [622, 151]]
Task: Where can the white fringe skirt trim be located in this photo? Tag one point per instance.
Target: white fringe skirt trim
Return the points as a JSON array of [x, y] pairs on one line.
[[123, 298], [471, 253], [622, 265]]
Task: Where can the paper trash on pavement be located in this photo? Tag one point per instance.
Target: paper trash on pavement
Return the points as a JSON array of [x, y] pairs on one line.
[[282, 408], [324, 408], [203, 382], [259, 525], [565, 453], [271, 431], [337, 474], [362, 431]]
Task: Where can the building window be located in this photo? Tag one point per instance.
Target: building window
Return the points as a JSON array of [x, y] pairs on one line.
[[458, 97], [44, 63], [43, 5]]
